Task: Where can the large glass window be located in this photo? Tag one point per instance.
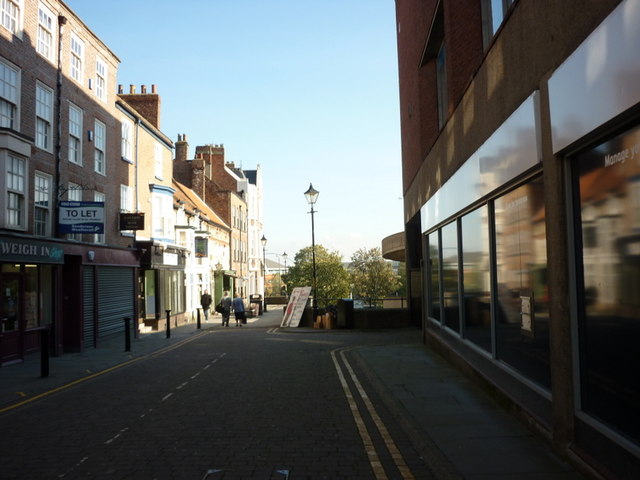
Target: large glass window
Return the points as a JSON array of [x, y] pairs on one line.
[[101, 79], [10, 15], [441, 82], [522, 295], [126, 140], [450, 276], [476, 277], [607, 180], [433, 245], [99, 197]]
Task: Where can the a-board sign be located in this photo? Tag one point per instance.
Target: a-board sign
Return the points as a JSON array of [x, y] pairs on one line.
[[295, 307]]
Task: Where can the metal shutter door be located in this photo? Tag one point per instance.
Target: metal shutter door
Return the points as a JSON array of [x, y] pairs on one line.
[[115, 299], [88, 307]]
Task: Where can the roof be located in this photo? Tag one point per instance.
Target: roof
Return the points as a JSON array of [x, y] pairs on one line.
[[187, 195]]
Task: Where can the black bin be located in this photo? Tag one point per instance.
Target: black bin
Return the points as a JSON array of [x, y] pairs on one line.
[[345, 313], [256, 298]]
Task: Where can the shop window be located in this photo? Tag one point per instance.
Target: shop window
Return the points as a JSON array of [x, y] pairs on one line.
[[606, 178], [450, 276], [522, 316], [433, 245], [476, 277]]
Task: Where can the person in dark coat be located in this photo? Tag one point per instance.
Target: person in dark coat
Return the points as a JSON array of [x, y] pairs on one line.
[[226, 308], [205, 302]]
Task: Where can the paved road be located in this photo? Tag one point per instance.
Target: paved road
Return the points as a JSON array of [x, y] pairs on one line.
[[254, 403]]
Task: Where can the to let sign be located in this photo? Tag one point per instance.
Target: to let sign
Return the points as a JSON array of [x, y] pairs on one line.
[[81, 217]]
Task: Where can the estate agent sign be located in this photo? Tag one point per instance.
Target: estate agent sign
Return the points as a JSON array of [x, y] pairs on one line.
[[81, 217]]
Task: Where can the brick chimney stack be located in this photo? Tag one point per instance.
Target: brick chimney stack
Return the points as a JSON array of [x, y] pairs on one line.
[[182, 148], [147, 104]]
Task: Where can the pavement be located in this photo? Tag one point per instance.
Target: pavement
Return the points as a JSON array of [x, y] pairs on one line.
[[456, 426]]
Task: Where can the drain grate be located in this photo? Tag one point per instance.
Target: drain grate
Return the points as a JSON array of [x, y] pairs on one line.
[[214, 473]]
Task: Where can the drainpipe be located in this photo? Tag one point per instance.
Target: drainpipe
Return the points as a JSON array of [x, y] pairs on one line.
[[62, 20]]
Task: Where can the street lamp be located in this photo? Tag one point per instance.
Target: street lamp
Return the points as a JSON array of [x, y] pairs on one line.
[[284, 256], [312, 195], [263, 241]]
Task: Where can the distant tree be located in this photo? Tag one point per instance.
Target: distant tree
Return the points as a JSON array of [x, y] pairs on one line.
[[372, 276], [331, 276]]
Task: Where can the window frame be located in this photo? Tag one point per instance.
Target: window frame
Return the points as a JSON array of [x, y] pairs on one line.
[[99, 197], [12, 20], [126, 141], [45, 43], [44, 116], [76, 58], [100, 145], [10, 94], [42, 193], [101, 79], [17, 192], [75, 134]]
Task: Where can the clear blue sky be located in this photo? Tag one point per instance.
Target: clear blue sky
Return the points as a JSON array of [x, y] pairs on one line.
[[308, 89]]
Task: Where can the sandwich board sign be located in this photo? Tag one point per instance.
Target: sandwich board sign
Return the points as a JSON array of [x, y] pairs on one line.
[[295, 307]]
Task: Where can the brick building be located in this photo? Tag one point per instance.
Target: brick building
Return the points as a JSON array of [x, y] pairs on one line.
[[520, 140], [59, 142]]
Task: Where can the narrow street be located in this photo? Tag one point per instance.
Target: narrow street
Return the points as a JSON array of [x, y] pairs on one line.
[[254, 402]]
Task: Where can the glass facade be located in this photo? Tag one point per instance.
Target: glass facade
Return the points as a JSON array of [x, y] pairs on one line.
[[510, 320], [450, 276], [522, 318], [607, 179], [476, 278]]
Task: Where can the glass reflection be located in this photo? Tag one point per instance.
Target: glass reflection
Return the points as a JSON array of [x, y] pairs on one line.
[[450, 276], [609, 185], [476, 279], [522, 317], [433, 244]]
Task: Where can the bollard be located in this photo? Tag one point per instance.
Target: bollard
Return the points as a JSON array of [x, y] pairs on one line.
[[44, 352], [198, 317], [127, 334], [168, 323]]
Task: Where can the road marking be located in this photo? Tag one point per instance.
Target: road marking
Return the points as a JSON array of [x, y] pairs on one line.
[[167, 396], [102, 372], [374, 459], [388, 440], [369, 448]]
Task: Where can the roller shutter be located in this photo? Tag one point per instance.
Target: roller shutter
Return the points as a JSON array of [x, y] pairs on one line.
[[115, 299], [88, 302]]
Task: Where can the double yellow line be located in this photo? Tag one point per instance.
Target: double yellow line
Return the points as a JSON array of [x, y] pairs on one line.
[[372, 454], [156, 353]]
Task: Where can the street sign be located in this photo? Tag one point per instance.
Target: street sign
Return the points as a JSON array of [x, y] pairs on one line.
[[132, 221]]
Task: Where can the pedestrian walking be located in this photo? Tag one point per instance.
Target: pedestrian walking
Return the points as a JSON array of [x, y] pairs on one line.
[[238, 310], [205, 303], [226, 308]]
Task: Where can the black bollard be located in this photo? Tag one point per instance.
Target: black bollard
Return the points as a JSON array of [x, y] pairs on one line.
[[127, 334], [198, 317], [168, 323], [44, 352]]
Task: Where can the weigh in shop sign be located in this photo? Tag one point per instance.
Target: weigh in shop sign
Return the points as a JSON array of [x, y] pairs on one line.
[[81, 217]]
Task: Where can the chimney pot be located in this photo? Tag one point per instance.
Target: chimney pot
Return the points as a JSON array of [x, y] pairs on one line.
[[153, 89], [143, 89], [132, 89], [120, 89]]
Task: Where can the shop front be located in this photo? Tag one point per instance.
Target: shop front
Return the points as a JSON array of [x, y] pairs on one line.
[[28, 270]]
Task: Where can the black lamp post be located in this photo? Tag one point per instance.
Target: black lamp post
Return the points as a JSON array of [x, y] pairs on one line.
[[312, 195], [284, 256], [263, 240]]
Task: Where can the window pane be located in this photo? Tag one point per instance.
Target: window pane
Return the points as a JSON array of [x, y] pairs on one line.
[[521, 263], [450, 276], [434, 285], [476, 277], [610, 323]]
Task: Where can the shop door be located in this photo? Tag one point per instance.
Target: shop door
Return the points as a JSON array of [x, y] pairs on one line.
[[10, 318]]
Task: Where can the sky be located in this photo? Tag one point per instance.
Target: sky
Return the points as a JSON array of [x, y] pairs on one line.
[[307, 89]]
